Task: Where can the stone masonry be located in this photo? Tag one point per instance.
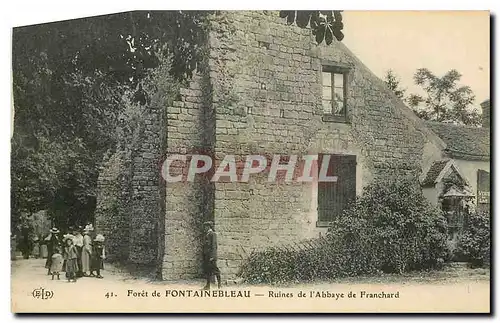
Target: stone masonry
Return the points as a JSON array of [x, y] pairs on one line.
[[259, 93], [131, 203]]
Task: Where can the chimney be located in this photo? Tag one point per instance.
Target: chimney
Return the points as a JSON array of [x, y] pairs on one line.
[[485, 105]]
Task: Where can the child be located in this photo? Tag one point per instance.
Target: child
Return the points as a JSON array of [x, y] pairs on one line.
[[56, 263], [36, 247], [98, 256], [70, 255]]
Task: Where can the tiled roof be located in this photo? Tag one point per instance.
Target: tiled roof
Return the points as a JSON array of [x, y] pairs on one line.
[[433, 173], [463, 142]]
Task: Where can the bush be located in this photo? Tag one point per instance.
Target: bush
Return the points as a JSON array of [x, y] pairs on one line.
[[398, 228], [391, 228], [474, 242], [322, 261]]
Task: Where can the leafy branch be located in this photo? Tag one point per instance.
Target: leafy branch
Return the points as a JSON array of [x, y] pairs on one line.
[[325, 25]]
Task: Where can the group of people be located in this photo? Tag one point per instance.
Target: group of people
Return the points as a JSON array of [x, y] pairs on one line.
[[79, 253]]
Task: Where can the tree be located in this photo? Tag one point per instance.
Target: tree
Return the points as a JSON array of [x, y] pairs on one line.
[[444, 100], [393, 83], [69, 83], [69, 80]]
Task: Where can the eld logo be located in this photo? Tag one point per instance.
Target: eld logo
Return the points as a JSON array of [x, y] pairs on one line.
[[42, 293]]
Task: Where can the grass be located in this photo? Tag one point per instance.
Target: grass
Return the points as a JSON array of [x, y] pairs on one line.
[[455, 272]]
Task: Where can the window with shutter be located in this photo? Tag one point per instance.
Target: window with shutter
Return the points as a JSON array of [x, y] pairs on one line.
[[333, 197], [483, 190]]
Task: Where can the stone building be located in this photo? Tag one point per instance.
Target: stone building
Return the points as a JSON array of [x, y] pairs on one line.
[[265, 88], [464, 163]]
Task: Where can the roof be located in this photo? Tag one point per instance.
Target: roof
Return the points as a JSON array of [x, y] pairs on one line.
[[434, 172], [453, 191], [485, 103], [463, 142], [439, 169]]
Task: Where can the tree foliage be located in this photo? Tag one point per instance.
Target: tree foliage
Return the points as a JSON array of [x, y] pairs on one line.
[[474, 242], [69, 81], [444, 99], [393, 83], [324, 25]]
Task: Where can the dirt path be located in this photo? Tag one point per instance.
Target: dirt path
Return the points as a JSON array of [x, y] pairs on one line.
[[451, 290]]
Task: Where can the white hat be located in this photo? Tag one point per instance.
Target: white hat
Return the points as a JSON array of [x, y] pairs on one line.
[[88, 228], [54, 230], [99, 238], [68, 236]]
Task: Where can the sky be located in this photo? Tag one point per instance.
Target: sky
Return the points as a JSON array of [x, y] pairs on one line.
[[438, 41]]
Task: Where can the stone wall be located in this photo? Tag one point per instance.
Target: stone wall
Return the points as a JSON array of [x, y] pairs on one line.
[[259, 92], [190, 126], [147, 187], [112, 209], [130, 197], [145, 220], [272, 74]]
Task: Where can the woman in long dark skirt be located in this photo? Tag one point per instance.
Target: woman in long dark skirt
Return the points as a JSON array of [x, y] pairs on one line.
[[26, 244], [52, 242], [98, 256]]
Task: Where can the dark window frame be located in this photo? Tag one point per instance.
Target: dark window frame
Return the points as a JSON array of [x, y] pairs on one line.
[[333, 69]]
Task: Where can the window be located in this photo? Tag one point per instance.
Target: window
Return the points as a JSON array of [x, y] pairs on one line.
[[334, 92], [333, 197]]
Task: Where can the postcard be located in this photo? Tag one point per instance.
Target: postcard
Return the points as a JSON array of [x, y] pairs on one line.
[[252, 162]]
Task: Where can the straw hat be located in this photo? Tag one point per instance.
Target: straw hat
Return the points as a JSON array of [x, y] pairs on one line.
[[99, 238], [68, 236], [54, 230]]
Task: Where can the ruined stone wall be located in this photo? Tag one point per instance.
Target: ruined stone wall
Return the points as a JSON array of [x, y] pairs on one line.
[[188, 203], [112, 213], [129, 199], [147, 200], [147, 221], [272, 104]]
